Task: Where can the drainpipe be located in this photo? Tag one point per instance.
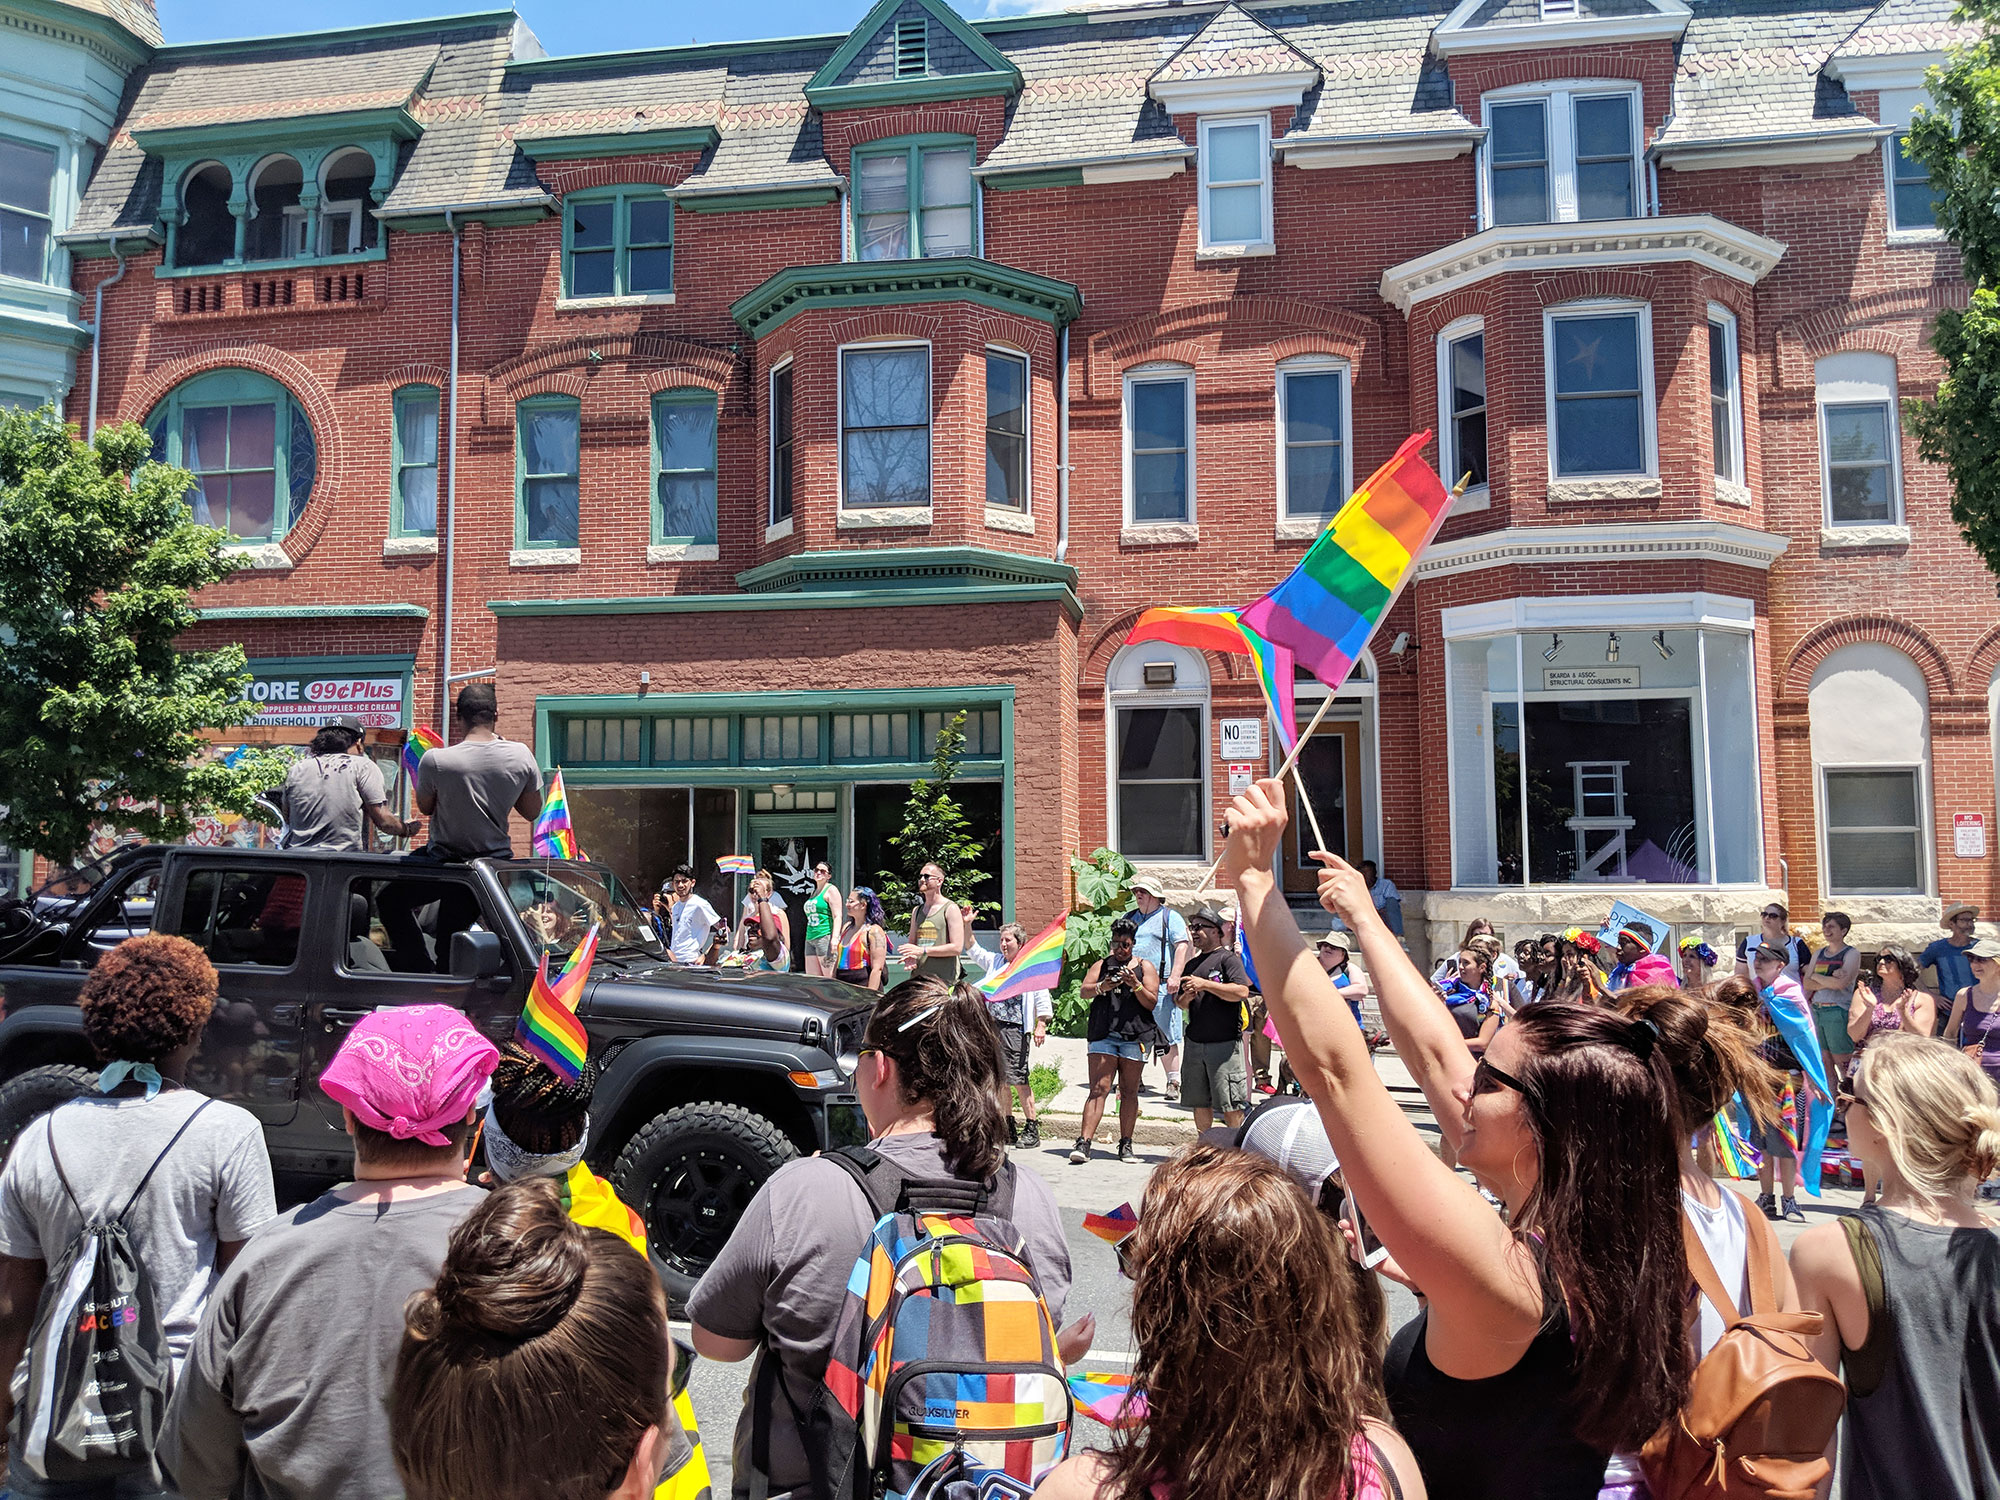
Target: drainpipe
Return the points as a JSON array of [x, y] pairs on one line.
[[1062, 444], [450, 492], [97, 333]]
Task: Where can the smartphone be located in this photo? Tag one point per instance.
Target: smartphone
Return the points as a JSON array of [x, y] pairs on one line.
[[1373, 1251]]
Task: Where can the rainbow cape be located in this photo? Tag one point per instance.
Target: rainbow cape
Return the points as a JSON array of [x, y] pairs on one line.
[[1325, 611], [548, 1026], [418, 743], [1038, 966], [1223, 630], [555, 838], [1114, 1226], [1108, 1398], [736, 864]]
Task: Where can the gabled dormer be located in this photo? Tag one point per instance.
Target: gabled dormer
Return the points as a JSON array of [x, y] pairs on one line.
[[911, 52], [1485, 26]]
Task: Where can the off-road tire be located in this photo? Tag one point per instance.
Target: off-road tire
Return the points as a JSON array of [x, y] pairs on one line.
[[29, 1095], [690, 1173]]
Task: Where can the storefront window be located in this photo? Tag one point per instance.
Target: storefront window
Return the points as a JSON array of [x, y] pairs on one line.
[[1584, 756], [644, 832], [878, 815]]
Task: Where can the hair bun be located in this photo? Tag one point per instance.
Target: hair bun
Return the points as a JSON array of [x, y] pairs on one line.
[[512, 1273], [1982, 1152]]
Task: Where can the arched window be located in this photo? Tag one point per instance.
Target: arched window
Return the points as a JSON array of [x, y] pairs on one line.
[[346, 183], [207, 233], [1156, 702], [248, 444], [277, 227], [1870, 716]]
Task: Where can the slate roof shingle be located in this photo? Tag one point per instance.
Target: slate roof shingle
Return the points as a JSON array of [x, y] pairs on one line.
[[136, 16], [1234, 44], [1756, 68]]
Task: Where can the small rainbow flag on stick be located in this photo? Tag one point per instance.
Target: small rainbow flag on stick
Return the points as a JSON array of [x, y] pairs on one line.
[[1733, 1154], [1038, 966], [1223, 630], [555, 838], [736, 864], [1114, 1226], [418, 743], [548, 1026]]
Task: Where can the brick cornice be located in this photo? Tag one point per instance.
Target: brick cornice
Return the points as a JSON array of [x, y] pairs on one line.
[[1182, 332], [717, 366], [1815, 646]]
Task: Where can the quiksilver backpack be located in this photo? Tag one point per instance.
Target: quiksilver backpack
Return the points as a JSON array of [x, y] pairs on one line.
[[91, 1394]]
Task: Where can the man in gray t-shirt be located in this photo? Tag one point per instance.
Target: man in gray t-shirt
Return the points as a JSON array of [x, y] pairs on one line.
[[468, 789], [332, 787]]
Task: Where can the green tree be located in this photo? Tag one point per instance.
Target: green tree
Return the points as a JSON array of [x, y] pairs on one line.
[[99, 713], [1959, 142], [1103, 893], [936, 831]]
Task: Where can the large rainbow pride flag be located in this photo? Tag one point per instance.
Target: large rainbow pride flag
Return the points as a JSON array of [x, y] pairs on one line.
[[1224, 630], [1038, 966]]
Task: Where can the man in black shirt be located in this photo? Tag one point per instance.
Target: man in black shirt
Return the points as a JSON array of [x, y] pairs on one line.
[[1213, 989]]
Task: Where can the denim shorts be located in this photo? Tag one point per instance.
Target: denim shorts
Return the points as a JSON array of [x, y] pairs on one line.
[[1167, 1016], [1113, 1047]]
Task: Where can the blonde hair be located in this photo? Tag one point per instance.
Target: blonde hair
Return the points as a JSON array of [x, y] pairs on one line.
[[1937, 1112]]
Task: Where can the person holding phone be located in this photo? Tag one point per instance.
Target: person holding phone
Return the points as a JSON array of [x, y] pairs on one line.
[[1122, 989]]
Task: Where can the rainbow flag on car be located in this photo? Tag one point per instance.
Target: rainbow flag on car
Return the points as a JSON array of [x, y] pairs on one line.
[[736, 864], [555, 837], [549, 1027], [418, 743], [1223, 630], [1038, 966]]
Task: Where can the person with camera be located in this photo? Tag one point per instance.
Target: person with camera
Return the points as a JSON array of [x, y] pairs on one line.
[[1122, 990]]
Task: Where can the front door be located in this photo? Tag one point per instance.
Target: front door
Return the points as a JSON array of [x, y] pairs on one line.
[[1330, 767], [789, 845]]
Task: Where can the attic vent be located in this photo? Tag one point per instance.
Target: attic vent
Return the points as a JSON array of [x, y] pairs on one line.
[[913, 52], [1556, 10]]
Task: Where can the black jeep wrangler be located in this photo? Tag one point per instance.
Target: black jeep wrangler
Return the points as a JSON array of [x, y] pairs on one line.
[[710, 1079]]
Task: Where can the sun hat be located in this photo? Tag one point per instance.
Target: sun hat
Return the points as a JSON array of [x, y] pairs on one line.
[[1291, 1133], [1945, 916], [1149, 884], [409, 1070], [1984, 948], [1334, 939]]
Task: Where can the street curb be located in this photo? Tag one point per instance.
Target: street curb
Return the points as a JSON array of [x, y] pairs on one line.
[[1060, 1127]]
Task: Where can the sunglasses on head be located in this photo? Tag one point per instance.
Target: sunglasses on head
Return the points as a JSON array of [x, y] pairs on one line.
[[1123, 1250]]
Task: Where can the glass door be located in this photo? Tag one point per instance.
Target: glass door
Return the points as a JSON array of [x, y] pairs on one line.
[[1330, 767], [789, 845]]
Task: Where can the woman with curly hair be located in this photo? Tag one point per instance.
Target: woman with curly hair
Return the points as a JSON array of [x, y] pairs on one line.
[[864, 943], [1230, 1254], [144, 1007]]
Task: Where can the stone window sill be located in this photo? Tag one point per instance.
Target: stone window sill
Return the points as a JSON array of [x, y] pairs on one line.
[[587, 304], [1299, 528], [1000, 518], [1729, 492], [888, 517], [777, 531], [1864, 536], [1159, 534], [1236, 252], [1478, 497], [545, 557], [410, 546], [263, 557], [1583, 491], [666, 552], [1916, 238]]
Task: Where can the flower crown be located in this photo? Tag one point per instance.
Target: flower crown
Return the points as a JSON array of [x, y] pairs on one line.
[[1587, 941]]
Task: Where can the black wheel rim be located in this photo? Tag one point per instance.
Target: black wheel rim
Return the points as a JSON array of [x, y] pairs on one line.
[[696, 1198]]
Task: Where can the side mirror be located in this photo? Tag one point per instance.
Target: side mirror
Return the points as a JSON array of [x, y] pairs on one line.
[[476, 955]]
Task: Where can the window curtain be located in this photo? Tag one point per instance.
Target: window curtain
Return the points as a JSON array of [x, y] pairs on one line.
[[192, 423], [417, 435], [882, 207], [551, 440]]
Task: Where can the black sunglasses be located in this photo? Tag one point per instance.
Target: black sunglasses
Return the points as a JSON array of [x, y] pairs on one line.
[[1486, 1077], [1122, 1249], [684, 1357]]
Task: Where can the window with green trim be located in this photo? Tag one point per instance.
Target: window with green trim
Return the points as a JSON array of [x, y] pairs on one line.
[[981, 727], [618, 243], [684, 466], [27, 184], [415, 460], [603, 742], [546, 468], [771, 739], [871, 736], [248, 444], [914, 199], [691, 742]]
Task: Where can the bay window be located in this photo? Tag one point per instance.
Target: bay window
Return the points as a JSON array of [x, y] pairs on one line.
[[1462, 404], [885, 426], [27, 183], [1006, 429], [1600, 390], [1725, 397]]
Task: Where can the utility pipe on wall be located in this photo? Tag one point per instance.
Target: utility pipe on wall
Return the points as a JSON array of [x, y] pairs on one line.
[[450, 491], [1062, 444], [97, 334]]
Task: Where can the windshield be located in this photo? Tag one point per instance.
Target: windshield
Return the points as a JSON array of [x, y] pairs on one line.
[[558, 903], [67, 884]]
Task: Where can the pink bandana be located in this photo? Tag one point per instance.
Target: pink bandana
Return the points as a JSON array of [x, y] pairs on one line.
[[409, 1069]]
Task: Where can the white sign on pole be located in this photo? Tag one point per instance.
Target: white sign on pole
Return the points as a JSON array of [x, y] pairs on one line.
[[1242, 739]]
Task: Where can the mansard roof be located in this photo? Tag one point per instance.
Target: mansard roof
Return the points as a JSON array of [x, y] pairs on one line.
[[1752, 70], [1234, 44], [138, 17]]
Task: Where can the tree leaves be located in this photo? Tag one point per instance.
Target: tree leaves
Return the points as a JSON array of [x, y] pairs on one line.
[[935, 831]]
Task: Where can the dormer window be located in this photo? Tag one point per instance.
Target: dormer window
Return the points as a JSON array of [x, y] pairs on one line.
[[1235, 184], [914, 200], [1556, 155]]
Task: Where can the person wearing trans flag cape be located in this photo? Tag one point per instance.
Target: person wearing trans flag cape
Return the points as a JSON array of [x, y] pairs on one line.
[[1793, 1153]]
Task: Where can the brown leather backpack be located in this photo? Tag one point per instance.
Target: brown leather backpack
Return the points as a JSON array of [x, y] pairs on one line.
[[1761, 1411]]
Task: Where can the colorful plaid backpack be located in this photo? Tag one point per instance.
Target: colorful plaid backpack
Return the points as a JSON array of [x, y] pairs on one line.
[[944, 1382]]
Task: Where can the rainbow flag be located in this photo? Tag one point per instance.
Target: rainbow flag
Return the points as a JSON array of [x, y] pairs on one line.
[[418, 743], [1108, 1398], [736, 864], [1224, 630], [555, 838], [1733, 1153], [548, 1026], [1038, 966], [1114, 1226], [1326, 609]]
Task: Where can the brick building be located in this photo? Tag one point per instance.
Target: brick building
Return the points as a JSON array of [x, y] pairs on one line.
[[745, 409]]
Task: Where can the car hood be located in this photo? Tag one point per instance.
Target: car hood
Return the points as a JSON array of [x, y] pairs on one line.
[[734, 1001]]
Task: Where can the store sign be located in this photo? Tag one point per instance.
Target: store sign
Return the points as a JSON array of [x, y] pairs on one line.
[[1968, 835], [1588, 679], [1242, 739], [312, 702]]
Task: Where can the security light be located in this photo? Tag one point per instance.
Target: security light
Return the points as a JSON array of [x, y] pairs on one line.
[[1159, 674], [1660, 645], [1611, 647], [1555, 649]]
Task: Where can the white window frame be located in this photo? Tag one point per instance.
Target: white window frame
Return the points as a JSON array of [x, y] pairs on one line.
[[1718, 315], [1920, 776], [774, 525], [1267, 240], [875, 346], [1008, 351], [1561, 96], [1893, 108], [1478, 496], [1838, 380], [342, 210], [1154, 374], [1314, 364], [1174, 697], [1597, 307]]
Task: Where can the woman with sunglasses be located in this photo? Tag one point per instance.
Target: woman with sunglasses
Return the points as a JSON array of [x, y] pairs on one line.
[[1910, 1285], [929, 1079], [1775, 933], [864, 940], [1552, 1339], [530, 1302], [824, 915], [1228, 1242], [1974, 1024]]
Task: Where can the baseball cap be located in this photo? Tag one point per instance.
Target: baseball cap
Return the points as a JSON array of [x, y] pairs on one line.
[[1290, 1133], [1149, 885], [351, 722], [1984, 948], [410, 1070]]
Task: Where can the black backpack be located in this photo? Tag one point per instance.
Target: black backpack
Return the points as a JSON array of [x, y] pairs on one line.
[[97, 1364]]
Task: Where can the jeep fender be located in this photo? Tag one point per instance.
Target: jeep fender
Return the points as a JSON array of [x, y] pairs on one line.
[[38, 1034], [648, 1076]]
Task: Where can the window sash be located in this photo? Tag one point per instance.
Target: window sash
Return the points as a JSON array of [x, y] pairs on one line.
[[1593, 406], [781, 445], [610, 263], [1527, 163], [1007, 433], [1857, 851], [1149, 475], [550, 500], [1622, 158], [684, 494], [1911, 205], [1553, 181], [1217, 191], [1722, 397], [416, 461], [878, 458], [1161, 816], [1314, 460], [909, 214], [27, 223], [1853, 483], [1465, 409]]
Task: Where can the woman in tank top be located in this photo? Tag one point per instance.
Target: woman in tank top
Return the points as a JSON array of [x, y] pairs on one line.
[[864, 946], [823, 920], [1553, 1338], [1911, 1285], [1894, 1003], [1974, 1025]]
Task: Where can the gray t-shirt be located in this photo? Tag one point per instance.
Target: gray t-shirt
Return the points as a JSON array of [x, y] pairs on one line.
[[782, 1278], [323, 799], [476, 785], [285, 1395], [214, 1185]]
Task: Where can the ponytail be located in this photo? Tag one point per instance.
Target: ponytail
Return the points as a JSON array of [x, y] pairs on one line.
[[1712, 1053], [948, 1054]]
